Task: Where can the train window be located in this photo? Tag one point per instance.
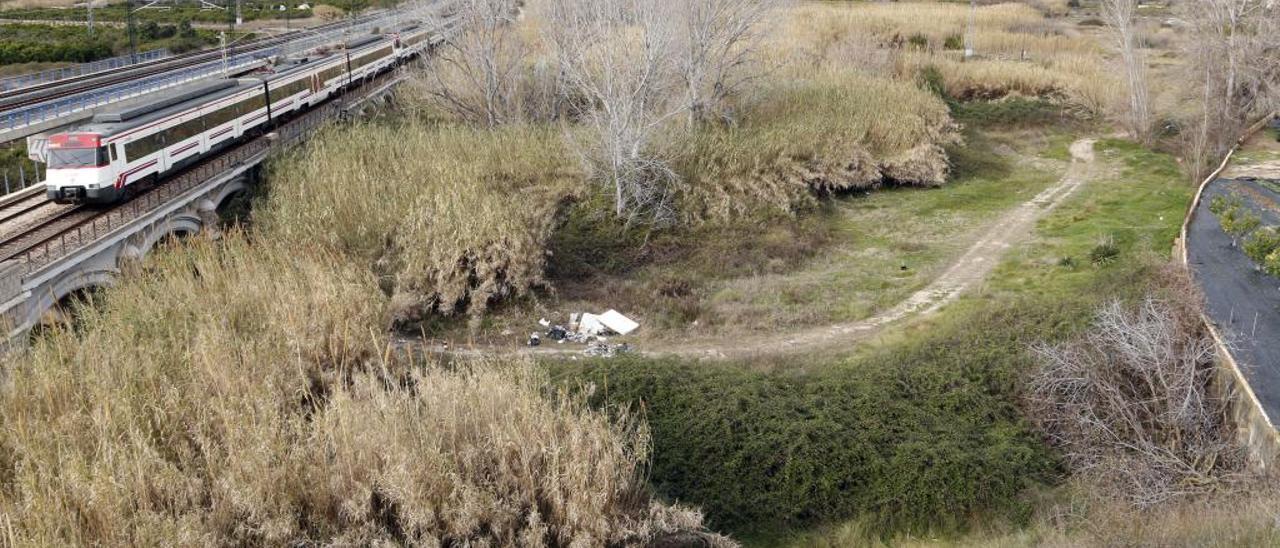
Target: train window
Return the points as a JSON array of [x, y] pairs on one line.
[[185, 130], [114, 152], [72, 158], [223, 115], [288, 90], [253, 103], [144, 146]]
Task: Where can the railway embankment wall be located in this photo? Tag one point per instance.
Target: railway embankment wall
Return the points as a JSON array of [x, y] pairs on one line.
[[1255, 430]]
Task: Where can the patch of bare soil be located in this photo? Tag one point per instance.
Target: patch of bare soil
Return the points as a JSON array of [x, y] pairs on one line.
[[1014, 227]]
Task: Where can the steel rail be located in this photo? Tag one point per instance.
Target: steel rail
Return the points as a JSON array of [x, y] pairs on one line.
[[17, 98]]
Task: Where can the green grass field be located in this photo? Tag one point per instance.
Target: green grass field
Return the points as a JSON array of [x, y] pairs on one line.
[[943, 389]]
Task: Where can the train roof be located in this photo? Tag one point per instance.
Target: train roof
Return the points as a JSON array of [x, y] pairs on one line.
[[155, 106], [358, 42], [152, 107]]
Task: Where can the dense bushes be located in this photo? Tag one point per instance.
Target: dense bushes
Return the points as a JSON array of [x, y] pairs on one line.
[[46, 44], [811, 137], [82, 50], [241, 393], [921, 436], [453, 219]]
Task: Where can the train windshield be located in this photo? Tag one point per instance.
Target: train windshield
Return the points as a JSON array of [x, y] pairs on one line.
[[71, 158]]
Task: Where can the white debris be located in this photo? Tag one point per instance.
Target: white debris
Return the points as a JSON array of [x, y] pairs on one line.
[[618, 323], [544, 322], [590, 324]]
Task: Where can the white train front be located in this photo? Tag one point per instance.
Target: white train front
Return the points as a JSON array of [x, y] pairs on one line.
[[140, 142]]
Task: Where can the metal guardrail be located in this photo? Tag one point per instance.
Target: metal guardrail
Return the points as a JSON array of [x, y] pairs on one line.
[[53, 75], [53, 110]]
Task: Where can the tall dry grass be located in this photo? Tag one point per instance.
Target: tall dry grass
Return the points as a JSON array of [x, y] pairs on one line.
[[1019, 52], [815, 136], [244, 394], [453, 218]]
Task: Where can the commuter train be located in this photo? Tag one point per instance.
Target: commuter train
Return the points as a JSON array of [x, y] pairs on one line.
[[139, 143]]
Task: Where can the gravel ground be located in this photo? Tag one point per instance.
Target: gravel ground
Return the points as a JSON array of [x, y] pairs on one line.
[[1243, 302]]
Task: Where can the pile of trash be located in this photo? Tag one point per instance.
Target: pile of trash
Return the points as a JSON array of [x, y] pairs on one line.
[[590, 329]]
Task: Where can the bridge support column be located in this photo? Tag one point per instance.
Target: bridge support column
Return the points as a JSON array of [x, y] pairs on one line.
[[208, 212], [13, 299]]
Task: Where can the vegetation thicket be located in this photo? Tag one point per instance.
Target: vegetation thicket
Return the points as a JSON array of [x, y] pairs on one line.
[[811, 137], [452, 218], [1017, 51], [25, 43], [244, 392]]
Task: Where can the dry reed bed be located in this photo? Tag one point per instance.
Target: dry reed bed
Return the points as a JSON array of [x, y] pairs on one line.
[[452, 218], [241, 393], [1019, 51], [811, 137]]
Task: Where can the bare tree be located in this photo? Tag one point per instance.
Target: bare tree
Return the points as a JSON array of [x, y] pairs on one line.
[[718, 51], [1129, 403], [476, 73], [615, 59], [1119, 15], [1232, 59]]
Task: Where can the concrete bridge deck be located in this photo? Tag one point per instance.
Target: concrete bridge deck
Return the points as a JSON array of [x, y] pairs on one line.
[[59, 260]]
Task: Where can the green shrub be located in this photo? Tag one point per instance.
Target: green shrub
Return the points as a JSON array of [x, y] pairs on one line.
[[919, 437], [1261, 244], [931, 80], [953, 42], [1236, 220], [1104, 252], [1010, 112]]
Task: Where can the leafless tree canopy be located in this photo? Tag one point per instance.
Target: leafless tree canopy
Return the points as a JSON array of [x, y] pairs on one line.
[[475, 74], [1232, 53], [616, 55], [624, 69], [717, 51], [1129, 404], [1119, 15]]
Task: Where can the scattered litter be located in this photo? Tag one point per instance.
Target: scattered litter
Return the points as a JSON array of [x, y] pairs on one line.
[[558, 333], [618, 323], [589, 329], [602, 349], [590, 324], [580, 338]]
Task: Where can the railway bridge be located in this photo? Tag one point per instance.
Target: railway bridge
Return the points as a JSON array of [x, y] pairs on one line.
[[51, 252]]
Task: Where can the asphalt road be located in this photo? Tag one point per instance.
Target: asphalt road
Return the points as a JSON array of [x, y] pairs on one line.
[[1243, 302]]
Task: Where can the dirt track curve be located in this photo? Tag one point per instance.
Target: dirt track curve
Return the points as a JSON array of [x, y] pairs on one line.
[[1014, 227]]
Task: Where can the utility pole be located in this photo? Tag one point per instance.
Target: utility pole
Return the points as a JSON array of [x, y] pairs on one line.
[[222, 44], [133, 31], [90, 6], [969, 47]]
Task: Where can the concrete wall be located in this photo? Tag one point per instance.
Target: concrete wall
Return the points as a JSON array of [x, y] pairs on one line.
[[1254, 428]]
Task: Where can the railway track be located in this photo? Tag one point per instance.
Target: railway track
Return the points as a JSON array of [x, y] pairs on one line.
[[62, 219], [23, 97], [36, 231]]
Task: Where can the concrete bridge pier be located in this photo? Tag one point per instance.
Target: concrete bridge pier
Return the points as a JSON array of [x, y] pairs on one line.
[[27, 295]]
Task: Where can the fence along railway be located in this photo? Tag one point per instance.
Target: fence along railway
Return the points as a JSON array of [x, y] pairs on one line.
[[40, 106], [51, 251]]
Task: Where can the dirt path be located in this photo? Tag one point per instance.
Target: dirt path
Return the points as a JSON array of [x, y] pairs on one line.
[[971, 268]]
